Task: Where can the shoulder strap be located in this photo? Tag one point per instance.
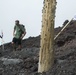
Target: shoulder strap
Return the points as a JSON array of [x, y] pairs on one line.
[[22, 28]]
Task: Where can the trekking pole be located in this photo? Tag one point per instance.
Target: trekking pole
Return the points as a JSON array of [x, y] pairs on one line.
[[2, 44], [62, 29], [2, 40]]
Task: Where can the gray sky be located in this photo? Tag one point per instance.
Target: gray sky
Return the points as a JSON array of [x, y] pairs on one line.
[[29, 12]]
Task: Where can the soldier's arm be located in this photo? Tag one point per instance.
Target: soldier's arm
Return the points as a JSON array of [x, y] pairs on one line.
[[23, 34]]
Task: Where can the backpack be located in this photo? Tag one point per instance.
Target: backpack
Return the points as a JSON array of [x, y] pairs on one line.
[[22, 28]]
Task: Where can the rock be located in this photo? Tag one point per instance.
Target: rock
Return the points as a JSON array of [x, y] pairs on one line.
[[61, 61], [34, 69], [36, 59], [0, 54], [29, 60], [1, 71], [28, 52], [7, 61]]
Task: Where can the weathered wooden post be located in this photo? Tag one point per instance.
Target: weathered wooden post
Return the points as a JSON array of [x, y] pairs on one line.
[[46, 55]]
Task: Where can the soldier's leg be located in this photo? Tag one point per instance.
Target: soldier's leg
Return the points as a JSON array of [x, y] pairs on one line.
[[19, 44], [14, 41]]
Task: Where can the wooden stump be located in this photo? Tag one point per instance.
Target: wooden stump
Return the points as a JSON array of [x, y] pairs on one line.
[[46, 55]]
